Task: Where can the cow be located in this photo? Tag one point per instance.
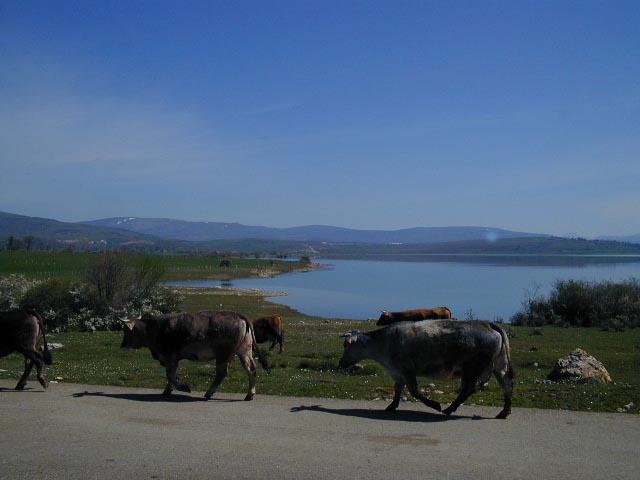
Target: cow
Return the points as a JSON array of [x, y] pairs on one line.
[[387, 318], [269, 328], [200, 336], [471, 350], [19, 331]]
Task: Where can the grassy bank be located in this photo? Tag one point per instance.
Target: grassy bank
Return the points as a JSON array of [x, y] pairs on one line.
[[313, 347], [43, 264]]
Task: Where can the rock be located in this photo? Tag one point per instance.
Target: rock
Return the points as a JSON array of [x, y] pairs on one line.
[[579, 366], [54, 346], [438, 392], [626, 408]]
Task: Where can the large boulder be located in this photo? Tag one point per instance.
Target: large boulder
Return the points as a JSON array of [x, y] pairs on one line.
[[579, 366]]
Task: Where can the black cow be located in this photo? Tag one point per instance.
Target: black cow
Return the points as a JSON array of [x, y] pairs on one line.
[[201, 336], [19, 331]]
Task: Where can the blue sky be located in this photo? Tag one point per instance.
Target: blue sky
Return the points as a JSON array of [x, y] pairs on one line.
[[522, 115]]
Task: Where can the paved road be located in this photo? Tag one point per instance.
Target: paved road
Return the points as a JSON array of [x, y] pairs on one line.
[[88, 431]]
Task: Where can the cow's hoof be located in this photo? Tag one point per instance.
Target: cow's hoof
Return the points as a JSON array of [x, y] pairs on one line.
[[502, 415], [44, 383], [166, 392], [207, 396], [437, 406], [447, 411], [391, 408], [20, 386], [184, 388], [249, 397]]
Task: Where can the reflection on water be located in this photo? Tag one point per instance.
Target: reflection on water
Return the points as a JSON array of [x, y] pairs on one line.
[[490, 285]]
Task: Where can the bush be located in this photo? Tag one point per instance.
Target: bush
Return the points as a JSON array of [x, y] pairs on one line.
[[610, 305], [12, 289], [112, 289]]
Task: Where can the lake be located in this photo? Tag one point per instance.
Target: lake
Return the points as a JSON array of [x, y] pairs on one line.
[[491, 286]]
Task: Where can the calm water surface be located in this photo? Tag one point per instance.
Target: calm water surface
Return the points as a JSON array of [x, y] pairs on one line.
[[490, 286]]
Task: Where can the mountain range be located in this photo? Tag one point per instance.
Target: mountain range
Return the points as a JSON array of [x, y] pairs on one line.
[[161, 235], [205, 231]]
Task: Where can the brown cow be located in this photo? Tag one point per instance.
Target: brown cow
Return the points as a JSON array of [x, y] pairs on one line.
[[416, 315], [201, 336], [269, 328], [19, 332]]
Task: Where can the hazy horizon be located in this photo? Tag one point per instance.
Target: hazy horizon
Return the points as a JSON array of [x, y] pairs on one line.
[[377, 116]]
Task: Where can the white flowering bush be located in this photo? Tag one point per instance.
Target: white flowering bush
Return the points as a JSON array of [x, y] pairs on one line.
[[12, 290], [70, 305]]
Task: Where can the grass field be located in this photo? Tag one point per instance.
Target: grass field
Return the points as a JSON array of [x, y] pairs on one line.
[[313, 347], [42, 264]]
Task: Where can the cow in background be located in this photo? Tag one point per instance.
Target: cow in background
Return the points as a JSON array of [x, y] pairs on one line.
[[387, 318], [269, 328], [19, 331]]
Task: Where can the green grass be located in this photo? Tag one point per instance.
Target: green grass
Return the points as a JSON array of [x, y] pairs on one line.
[[312, 350], [43, 264]]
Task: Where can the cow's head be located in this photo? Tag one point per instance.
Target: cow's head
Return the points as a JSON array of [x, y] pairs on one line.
[[135, 333], [385, 318], [354, 348]]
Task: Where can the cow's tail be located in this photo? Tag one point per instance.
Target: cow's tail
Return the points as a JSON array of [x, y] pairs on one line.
[[254, 346], [450, 312], [46, 353], [505, 350]]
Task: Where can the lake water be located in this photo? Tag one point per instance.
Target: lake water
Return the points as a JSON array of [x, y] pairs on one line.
[[491, 286]]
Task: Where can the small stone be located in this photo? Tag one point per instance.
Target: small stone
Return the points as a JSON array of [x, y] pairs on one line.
[[438, 392], [535, 364]]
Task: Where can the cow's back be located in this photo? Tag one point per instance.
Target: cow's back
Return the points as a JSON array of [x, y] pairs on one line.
[[434, 345]]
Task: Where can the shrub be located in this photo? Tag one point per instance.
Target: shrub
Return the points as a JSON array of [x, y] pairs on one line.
[[12, 289], [610, 305]]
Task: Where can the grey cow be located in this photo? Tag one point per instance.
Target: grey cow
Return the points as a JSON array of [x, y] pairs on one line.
[[470, 350]]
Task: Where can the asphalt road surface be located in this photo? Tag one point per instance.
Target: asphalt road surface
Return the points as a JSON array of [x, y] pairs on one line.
[[88, 431]]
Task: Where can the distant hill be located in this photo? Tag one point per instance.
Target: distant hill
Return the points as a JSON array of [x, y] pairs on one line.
[[113, 234], [506, 246], [56, 231], [204, 231], [622, 238]]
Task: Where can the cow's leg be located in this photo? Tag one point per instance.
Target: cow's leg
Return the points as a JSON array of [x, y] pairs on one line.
[[222, 367], [36, 358], [399, 385], [172, 369], [28, 365], [471, 379], [273, 343], [412, 385], [247, 362], [505, 379], [281, 341]]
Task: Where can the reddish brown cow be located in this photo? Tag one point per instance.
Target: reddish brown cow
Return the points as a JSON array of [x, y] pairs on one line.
[[416, 315], [19, 331], [269, 328]]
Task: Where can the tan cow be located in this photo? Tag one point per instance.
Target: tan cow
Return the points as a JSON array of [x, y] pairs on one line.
[[387, 318], [269, 328]]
